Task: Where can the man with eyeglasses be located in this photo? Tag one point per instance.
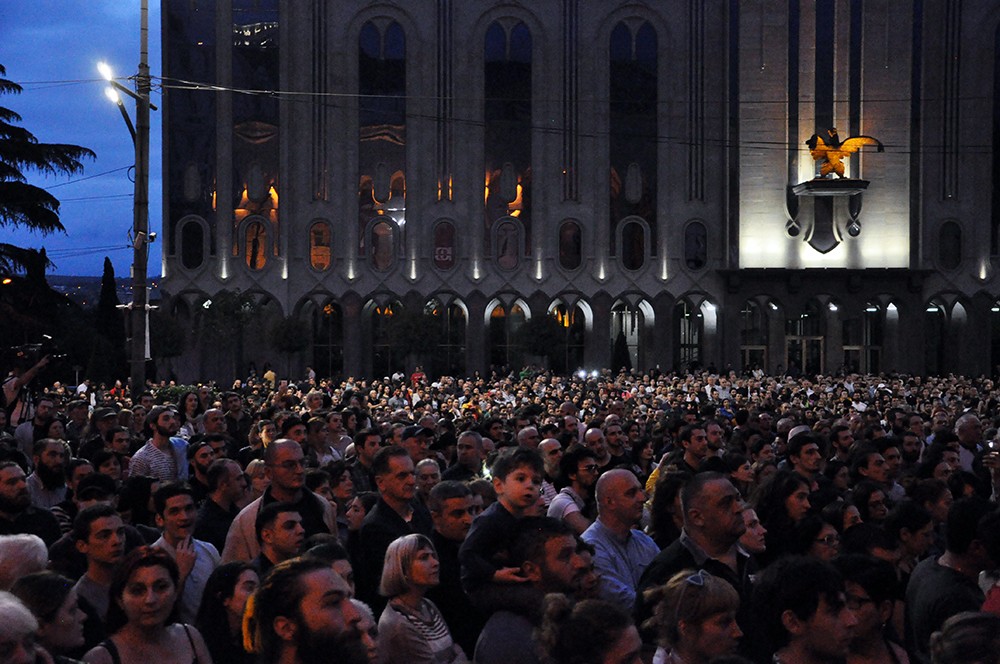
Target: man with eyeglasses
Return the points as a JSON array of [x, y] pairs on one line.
[[285, 467], [572, 505]]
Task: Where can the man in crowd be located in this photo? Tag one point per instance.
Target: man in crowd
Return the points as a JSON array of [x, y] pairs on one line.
[[801, 613], [594, 440], [469, 458], [615, 440], [285, 468], [304, 615], [395, 514], [99, 534], [546, 552], [428, 475], [941, 587], [713, 524], [17, 515], [164, 456], [552, 453], [693, 448], [450, 505], [47, 484], [579, 467], [176, 515], [238, 421], [969, 430], [24, 434], [416, 440], [366, 443], [622, 552], [280, 535], [527, 437], [804, 456], [226, 485], [200, 455]]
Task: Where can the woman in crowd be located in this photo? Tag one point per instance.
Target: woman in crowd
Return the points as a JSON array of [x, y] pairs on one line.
[[411, 628], [695, 618], [870, 589], [665, 511], [839, 474], [257, 478], [588, 632], [871, 501], [817, 538], [740, 471], [144, 590], [109, 463], [967, 638], [220, 618], [17, 633], [189, 411], [135, 504], [53, 601], [782, 501], [641, 456]]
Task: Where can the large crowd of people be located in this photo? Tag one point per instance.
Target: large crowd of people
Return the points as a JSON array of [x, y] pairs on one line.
[[610, 518]]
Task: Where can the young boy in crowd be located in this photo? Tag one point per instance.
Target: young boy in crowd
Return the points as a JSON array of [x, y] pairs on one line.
[[486, 575]]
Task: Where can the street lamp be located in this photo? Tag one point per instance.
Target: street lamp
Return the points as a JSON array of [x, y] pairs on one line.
[[140, 207]]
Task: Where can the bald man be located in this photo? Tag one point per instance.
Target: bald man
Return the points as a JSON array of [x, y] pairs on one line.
[[622, 551], [551, 451]]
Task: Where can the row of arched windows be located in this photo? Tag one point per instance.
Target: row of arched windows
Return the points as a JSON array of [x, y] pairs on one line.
[[254, 240]]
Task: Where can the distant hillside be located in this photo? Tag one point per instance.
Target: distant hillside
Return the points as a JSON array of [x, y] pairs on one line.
[[85, 291]]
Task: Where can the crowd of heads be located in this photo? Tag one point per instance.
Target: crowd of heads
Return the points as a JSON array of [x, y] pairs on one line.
[[295, 518]]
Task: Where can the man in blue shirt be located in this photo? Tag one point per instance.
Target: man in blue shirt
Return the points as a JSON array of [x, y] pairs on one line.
[[622, 552]]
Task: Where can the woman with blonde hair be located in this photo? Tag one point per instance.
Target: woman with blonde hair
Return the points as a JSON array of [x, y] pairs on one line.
[[695, 618], [411, 628]]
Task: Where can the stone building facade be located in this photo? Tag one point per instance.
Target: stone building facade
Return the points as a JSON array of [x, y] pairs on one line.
[[636, 170]]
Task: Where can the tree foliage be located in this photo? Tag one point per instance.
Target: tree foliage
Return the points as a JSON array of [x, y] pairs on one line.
[[289, 335], [21, 203]]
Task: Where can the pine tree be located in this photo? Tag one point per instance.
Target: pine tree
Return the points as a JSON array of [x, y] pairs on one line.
[[23, 204]]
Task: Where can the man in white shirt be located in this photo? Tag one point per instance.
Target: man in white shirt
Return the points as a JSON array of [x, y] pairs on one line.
[[196, 560]]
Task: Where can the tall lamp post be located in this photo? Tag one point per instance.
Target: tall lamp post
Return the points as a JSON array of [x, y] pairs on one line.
[[140, 208]]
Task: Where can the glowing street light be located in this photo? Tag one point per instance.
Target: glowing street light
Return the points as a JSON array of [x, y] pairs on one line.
[[141, 237]]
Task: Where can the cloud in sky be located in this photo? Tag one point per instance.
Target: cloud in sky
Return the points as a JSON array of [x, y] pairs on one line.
[[51, 47]]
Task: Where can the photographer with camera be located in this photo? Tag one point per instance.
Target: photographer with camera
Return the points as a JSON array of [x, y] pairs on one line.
[[16, 396]]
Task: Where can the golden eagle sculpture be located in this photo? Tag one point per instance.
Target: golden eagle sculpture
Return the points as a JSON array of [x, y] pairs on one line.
[[831, 151]]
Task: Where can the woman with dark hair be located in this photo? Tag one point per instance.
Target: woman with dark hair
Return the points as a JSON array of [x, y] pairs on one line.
[[841, 515], [839, 474], [870, 589], [781, 502], [220, 618], [816, 538], [144, 591], [135, 504], [189, 412], [666, 518], [871, 501], [53, 601], [107, 462], [739, 470], [591, 631], [642, 464]]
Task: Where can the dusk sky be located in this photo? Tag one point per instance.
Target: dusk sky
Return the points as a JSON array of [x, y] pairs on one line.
[[51, 48]]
